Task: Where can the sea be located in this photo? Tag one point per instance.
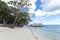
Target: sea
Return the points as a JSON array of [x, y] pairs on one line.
[[52, 31]]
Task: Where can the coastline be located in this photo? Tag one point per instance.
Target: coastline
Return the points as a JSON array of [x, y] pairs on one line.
[[23, 33]]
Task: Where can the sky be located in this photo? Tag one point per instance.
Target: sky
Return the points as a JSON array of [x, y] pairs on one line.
[[45, 11]]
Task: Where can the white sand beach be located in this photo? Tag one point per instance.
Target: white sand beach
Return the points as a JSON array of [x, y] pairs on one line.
[[20, 34], [15, 34]]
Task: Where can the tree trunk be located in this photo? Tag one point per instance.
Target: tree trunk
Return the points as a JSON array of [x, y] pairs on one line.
[[4, 22]]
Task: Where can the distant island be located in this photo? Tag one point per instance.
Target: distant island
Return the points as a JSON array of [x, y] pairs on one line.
[[36, 25]]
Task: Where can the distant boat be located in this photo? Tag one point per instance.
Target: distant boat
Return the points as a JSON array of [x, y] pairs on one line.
[[36, 25]]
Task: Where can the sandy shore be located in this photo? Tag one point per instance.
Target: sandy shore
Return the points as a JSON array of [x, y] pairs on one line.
[[16, 34], [20, 34]]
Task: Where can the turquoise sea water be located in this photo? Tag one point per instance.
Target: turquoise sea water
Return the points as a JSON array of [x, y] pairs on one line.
[[52, 31]]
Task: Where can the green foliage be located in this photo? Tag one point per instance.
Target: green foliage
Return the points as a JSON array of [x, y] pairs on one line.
[[23, 18], [4, 11], [13, 14]]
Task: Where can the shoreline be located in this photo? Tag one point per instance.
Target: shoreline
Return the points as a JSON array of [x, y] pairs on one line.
[[33, 34], [41, 36], [23, 33]]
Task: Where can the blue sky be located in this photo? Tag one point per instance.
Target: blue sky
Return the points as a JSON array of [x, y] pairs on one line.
[[48, 12], [45, 11], [38, 3]]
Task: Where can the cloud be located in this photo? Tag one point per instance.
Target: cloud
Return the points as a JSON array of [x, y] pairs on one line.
[[33, 6], [50, 5], [49, 8], [6, 0], [53, 12], [40, 13], [35, 20]]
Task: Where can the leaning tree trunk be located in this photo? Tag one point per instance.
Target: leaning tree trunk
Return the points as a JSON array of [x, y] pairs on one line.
[[15, 16], [15, 19]]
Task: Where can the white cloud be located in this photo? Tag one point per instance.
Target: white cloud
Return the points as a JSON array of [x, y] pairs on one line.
[[50, 5], [54, 5], [53, 12], [6, 0], [33, 6], [40, 13]]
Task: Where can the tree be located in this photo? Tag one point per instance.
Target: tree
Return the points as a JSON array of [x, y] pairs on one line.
[[5, 12], [21, 17], [14, 14], [20, 5]]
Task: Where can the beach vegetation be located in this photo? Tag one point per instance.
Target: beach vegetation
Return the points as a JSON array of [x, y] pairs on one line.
[[16, 14]]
